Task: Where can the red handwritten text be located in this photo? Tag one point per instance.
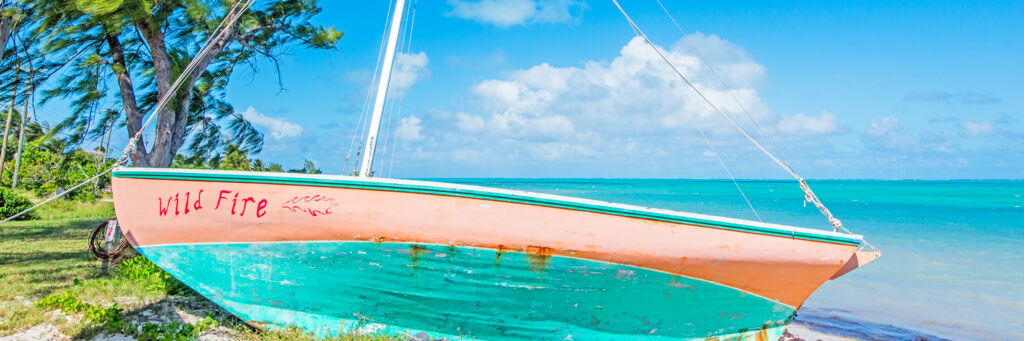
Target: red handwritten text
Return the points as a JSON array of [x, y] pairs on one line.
[[239, 204], [164, 209]]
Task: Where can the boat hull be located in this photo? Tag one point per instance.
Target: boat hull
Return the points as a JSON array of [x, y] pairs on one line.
[[332, 287], [333, 254]]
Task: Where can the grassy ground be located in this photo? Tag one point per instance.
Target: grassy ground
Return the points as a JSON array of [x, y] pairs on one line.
[[51, 287]]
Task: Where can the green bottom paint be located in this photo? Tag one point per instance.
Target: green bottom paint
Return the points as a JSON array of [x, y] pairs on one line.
[[456, 292]]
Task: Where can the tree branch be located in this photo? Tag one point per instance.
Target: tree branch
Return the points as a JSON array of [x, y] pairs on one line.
[[133, 118]]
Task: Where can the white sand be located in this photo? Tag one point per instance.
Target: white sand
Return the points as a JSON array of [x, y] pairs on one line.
[[40, 332]]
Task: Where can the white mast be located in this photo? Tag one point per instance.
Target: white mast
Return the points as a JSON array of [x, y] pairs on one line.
[[382, 89]]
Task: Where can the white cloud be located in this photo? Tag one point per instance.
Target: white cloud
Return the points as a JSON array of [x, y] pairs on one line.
[[803, 125], [633, 105], [505, 13], [408, 69], [883, 126], [636, 89], [278, 127], [470, 123], [976, 128], [409, 129]]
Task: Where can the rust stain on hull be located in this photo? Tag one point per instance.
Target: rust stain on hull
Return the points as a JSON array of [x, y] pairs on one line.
[[415, 251], [539, 257], [762, 335], [499, 250]]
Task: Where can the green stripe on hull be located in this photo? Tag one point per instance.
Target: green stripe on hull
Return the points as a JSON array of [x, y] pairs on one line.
[[386, 186], [330, 287]]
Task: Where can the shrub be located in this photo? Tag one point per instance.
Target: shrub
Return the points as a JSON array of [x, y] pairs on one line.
[[11, 203], [142, 270]]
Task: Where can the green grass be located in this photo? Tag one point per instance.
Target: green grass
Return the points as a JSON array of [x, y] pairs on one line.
[[45, 266], [42, 257]]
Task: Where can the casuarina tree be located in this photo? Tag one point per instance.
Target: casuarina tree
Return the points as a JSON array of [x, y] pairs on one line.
[[129, 52]]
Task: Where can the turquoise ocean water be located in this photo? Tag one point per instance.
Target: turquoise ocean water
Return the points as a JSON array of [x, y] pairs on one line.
[[953, 251]]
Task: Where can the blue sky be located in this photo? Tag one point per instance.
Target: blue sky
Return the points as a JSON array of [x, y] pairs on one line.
[[561, 88]]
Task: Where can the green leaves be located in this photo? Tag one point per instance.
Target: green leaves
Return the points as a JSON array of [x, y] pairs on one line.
[[97, 7], [325, 37], [11, 203], [113, 49], [140, 269]]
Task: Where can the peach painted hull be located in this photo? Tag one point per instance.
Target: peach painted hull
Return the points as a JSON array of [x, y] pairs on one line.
[[172, 207]]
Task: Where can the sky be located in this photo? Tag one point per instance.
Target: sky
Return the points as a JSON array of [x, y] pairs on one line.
[[564, 88]]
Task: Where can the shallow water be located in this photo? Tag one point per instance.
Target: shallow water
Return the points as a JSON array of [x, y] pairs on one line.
[[952, 263]]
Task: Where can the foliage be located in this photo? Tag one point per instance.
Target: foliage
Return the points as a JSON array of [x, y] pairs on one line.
[[46, 169], [308, 168], [232, 158], [142, 270], [112, 322], [69, 303], [11, 203], [167, 331], [130, 51], [66, 301]]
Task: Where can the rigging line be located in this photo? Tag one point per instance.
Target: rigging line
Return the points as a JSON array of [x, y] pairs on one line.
[[808, 194], [704, 60], [401, 102], [54, 197], [229, 19], [720, 161], [393, 100], [394, 142], [363, 113], [726, 168]]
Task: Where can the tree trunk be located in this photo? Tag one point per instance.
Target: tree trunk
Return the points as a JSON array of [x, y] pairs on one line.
[[7, 126], [133, 118], [21, 142], [172, 121], [7, 25]]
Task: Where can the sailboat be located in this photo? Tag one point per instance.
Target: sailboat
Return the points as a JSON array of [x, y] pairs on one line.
[[338, 254]]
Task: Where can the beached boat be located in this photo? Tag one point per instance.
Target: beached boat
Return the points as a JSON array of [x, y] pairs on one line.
[[332, 253], [356, 253]]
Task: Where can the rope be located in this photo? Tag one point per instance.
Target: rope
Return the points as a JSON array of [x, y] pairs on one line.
[[97, 241], [364, 112], [401, 101], [55, 196], [719, 157], [808, 194], [704, 60], [233, 14]]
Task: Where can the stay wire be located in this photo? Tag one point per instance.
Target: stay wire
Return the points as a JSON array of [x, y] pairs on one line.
[[391, 102], [364, 113], [722, 162], [808, 194], [401, 102], [704, 60], [726, 168], [234, 13]]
